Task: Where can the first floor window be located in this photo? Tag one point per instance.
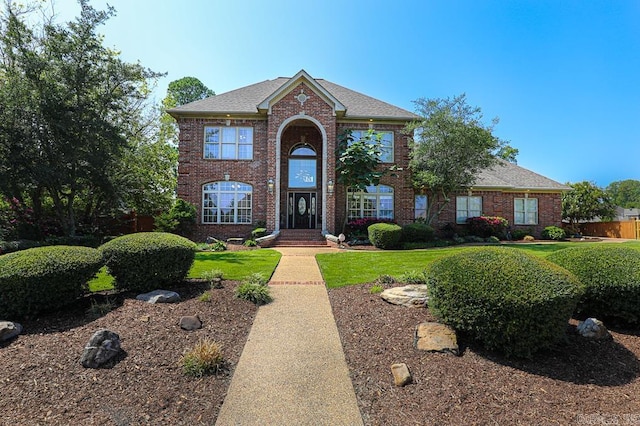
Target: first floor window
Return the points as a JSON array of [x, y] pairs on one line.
[[525, 211], [467, 207], [420, 208], [226, 202], [386, 143], [228, 143], [374, 202]]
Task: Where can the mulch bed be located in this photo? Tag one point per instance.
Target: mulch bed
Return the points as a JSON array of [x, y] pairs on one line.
[[579, 381], [43, 382]]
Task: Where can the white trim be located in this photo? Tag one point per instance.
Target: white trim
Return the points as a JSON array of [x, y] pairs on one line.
[[322, 130]]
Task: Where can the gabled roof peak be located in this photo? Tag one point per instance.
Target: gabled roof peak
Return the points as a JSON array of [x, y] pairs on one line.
[[302, 76]]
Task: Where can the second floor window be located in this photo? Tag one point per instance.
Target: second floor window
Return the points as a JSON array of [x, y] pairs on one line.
[[228, 143], [386, 140]]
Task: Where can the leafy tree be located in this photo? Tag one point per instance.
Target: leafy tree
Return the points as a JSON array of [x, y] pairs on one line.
[[451, 146], [585, 202], [180, 219], [625, 193], [358, 163], [185, 90], [71, 110]]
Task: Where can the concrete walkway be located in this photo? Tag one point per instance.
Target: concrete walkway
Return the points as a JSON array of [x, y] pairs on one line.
[[292, 370]]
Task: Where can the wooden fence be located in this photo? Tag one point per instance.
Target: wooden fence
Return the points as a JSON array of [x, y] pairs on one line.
[[627, 229]]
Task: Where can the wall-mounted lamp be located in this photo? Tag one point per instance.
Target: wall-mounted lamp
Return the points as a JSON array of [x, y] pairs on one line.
[[470, 192], [330, 186], [270, 185], [227, 176]]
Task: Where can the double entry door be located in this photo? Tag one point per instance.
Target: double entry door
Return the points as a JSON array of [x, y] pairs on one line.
[[301, 210]]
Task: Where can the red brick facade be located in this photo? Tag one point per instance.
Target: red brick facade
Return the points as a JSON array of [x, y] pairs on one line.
[[290, 120]]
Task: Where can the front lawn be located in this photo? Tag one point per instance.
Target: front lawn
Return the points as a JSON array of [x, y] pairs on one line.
[[236, 265], [357, 267]]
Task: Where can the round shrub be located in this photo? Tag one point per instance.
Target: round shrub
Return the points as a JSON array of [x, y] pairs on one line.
[[553, 233], [148, 260], [417, 233], [44, 278], [487, 226], [510, 300], [611, 276], [384, 235]]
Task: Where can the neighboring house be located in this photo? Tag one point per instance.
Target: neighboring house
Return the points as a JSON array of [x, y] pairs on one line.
[[266, 153], [623, 214]]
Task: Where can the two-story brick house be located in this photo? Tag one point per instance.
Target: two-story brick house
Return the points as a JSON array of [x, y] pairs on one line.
[[267, 153]]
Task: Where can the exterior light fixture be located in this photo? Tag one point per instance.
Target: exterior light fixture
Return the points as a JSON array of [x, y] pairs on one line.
[[270, 185], [227, 176], [330, 186]]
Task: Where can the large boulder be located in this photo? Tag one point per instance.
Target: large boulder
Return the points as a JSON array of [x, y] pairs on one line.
[[9, 330], [412, 296], [435, 337], [103, 346], [159, 296]]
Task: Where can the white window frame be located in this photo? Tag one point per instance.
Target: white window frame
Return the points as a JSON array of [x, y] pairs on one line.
[[525, 211], [241, 209], [379, 195], [387, 147], [223, 141], [464, 210], [420, 213]]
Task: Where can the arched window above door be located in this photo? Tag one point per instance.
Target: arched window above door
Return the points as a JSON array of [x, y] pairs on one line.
[[302, 150]]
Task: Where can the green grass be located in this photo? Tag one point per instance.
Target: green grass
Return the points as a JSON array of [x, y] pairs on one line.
[[236, 265], [357, 267]]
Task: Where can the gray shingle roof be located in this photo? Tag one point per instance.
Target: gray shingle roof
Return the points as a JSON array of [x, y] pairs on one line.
[[507, 175], [246, 99]]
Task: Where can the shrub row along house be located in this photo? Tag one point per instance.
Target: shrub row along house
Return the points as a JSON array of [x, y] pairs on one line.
[[267, 153]]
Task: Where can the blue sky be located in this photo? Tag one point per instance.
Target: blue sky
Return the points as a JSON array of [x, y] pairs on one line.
[[562, 76]]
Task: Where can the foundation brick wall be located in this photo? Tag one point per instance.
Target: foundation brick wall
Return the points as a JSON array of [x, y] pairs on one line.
[[497, 203]]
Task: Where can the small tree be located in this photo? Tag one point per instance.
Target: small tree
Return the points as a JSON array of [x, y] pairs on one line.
[[358, 164], [585, 202], [180, 219], [451, 146]]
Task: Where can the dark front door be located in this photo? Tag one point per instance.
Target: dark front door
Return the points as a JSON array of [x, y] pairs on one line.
[[302, 210]]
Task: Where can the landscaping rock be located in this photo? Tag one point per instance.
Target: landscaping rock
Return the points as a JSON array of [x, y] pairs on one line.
[[412, 296], [593, 328], [435, 337], [9, 330], [103, 346], [401, 374], [190, 323], [159, 296]]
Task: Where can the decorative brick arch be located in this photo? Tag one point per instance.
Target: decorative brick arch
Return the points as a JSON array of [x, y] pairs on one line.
[[325, 155]]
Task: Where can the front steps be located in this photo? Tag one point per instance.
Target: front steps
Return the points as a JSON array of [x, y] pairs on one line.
[[300, 238]]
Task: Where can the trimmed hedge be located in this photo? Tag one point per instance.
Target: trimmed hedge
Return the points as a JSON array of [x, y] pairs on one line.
[[384, 235], [44, 278], [611, 275], [148, 260], [417, 233], [510, 300]]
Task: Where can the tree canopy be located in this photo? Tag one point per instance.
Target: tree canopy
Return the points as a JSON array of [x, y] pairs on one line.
[[450, 146], [585, 202], [625, 193], [71, 111], [185, 90]]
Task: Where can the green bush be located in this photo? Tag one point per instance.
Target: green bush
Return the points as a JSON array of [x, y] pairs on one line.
[[413, 277], [519, 234], [611, 276], [180, 219], [385, 235], [553, 233], [417, 233], [508, 299], [219, 246], [148, 260], [258, 232], [254, 293], [44, 278]]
